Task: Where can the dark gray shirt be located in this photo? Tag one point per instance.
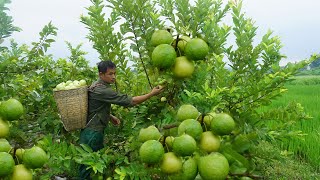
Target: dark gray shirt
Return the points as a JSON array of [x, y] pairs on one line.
[[100, 98]]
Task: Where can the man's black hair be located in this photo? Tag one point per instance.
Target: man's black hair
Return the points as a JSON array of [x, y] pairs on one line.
[[103, 66]]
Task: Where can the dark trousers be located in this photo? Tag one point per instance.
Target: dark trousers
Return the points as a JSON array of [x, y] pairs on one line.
[[94, 139]]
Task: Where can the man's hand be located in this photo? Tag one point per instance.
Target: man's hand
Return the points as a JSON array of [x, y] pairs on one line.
[[139, 99], [157, 90], [114, 120]]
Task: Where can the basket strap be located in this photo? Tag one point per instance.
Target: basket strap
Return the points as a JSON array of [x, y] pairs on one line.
[[91, 89], [95, 113], [90, 120]]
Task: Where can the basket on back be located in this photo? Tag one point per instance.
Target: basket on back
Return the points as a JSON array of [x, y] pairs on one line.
[[73, 107]]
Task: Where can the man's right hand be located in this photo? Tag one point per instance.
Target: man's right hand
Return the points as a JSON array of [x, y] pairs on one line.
[[157, 90], [139, 99]]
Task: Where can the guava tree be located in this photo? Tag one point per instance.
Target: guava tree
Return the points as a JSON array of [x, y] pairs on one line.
[[29, 75], [236, 77], [7, 27]]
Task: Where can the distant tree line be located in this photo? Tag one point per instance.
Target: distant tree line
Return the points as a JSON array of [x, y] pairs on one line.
[[315, 64], [312, 69]]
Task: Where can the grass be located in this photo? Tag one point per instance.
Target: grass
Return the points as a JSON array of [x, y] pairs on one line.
[[283, 167], [304, 90], [305, 80]]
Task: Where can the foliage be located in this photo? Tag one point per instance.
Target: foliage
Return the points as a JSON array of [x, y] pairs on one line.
[[288, 116], [278, 164], [315, 64], [39, 48], [65, 159], [32, 83], [108, 43], [137, 30], [255, 78], [311, 72], [305, 147], [234, 78], [30, 75], [306, 80], [6, 22]]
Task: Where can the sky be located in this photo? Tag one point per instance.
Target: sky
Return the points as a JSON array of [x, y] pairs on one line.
[[296, 22]]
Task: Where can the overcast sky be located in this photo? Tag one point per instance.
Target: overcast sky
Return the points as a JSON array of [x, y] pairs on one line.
[[297, 23]]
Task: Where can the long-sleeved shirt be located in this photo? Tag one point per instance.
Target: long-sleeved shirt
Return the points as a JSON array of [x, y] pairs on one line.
[[100, 98]]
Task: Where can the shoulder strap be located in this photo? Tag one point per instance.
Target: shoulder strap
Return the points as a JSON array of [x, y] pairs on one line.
[[95, 113], [91, 89]]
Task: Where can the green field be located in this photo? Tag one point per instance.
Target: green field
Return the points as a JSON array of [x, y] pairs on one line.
[[306, 91]]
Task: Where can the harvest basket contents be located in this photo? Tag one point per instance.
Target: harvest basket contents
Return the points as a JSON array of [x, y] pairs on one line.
[[72, 102]]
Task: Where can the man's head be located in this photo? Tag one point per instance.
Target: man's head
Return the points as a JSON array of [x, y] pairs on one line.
[[107, 71]]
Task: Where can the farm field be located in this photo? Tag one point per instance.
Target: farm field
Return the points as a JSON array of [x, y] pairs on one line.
[[304, 90]]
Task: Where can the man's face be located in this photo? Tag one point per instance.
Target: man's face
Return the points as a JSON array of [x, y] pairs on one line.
[[109, 76]]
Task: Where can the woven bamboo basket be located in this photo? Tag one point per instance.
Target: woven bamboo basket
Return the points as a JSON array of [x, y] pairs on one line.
[[73, 107]]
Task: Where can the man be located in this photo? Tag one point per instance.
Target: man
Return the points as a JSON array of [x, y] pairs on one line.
[[100, 98]]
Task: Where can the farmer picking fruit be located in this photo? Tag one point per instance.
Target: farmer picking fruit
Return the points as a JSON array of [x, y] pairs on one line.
[[100, 97]]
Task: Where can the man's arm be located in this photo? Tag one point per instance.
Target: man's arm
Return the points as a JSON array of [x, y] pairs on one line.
[[139, 99]]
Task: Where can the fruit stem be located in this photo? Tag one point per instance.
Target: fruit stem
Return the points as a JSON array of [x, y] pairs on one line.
[[145, 71], [140, 56], [169, 126], [176, 45], [165, 144]]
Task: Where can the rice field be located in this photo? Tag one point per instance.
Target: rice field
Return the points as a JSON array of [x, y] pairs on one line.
[[306, 91]]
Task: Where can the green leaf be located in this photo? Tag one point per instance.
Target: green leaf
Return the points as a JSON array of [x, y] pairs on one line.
[[241, 143], [86, 148], [49, 40], [227, 149], [237, 168]]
